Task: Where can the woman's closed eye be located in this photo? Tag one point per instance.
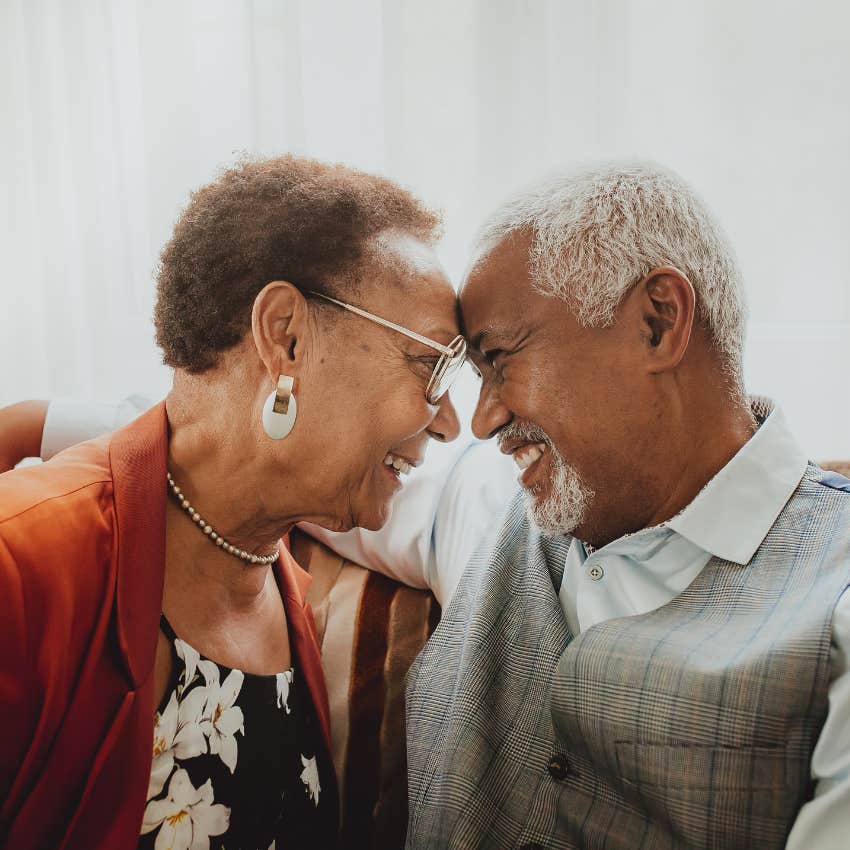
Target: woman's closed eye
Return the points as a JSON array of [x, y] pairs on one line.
[[425, 363]]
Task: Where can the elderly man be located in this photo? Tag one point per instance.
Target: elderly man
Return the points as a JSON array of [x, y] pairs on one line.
[[648, 645]]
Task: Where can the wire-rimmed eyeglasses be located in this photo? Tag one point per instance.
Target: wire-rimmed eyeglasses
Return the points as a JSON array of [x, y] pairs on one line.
[[447, 368]]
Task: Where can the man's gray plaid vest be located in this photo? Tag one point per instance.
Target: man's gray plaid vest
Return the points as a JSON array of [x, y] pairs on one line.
[[690, 726]]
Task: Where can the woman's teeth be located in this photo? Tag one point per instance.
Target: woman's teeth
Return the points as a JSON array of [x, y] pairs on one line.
[[527, 455], [398, 463]]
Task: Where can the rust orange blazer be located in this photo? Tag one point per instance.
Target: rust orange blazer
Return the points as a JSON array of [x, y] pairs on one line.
[[82, 543]]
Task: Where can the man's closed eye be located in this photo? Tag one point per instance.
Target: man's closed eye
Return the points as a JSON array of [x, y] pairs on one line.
[[494, 356]]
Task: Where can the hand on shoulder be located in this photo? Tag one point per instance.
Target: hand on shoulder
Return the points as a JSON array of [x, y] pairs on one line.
[[21, 427]]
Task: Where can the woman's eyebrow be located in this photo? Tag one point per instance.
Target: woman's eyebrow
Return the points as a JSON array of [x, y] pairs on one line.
[[442, 334]]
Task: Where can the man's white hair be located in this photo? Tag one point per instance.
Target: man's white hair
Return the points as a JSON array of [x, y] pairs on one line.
[[598, 231]]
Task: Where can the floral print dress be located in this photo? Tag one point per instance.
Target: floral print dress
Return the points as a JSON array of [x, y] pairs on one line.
[[234, 761]]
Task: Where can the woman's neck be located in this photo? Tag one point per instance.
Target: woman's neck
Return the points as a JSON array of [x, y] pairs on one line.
[[218, 467], [195, 566]]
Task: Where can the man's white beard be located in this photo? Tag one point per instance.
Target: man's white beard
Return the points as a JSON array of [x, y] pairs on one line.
[[562, 510]]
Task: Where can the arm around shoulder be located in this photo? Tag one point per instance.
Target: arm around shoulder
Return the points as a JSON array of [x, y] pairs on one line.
[[72, 421], [21, 428], [437, 520], [45, 428]]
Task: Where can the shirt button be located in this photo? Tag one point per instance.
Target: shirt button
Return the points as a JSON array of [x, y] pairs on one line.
[[596, 572], [559, 767]]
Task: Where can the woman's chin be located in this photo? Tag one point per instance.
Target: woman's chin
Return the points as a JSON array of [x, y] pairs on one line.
[[374, 516], [373, 509]]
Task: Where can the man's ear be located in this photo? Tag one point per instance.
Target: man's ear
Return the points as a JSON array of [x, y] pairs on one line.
[[668, 304], [279, 323]]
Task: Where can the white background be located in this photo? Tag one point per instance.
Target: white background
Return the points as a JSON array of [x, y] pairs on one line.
[[112, 111]]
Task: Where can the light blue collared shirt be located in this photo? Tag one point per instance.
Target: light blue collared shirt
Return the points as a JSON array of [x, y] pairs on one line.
[[729, 518]]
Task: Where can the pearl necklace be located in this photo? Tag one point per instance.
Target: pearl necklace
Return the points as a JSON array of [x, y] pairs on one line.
[[216, 538]]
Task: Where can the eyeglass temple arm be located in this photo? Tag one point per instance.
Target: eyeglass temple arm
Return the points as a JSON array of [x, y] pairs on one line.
[[443, 349]]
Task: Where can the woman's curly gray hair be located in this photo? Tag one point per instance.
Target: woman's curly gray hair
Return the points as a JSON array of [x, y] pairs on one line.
[[288, 218]]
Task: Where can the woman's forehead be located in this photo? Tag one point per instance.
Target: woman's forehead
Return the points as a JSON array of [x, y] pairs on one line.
[[431, 309], [415, 291], [407, 253]]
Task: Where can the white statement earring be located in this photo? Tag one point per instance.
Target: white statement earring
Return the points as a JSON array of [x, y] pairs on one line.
[[280, 409]]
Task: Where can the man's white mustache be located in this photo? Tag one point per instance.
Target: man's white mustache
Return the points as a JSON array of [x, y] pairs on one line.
[[522, 431]]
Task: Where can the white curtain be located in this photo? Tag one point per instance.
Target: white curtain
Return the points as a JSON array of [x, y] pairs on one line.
[[113, 110]]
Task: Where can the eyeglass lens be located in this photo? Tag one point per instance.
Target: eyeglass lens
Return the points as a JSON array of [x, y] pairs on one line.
[[446, 371]]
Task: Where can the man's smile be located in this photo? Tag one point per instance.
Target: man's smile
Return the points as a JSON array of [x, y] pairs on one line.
[[532, 460], [525, 456]]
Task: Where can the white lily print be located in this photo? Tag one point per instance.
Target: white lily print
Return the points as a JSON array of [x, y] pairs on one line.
[[187, 817], [221, 718], [176, 734], [283, 681], [190, 657], [310, 778]]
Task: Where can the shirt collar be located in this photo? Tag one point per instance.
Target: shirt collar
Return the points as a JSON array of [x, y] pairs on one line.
[[732, 514]]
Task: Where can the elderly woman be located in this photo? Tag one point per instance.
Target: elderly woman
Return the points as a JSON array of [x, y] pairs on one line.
[[160, 682]]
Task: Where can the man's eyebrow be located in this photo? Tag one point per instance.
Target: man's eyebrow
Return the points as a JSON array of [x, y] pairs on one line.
[[484, 334]]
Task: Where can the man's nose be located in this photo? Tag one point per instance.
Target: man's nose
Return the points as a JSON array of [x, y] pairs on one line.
[[491, 415], [445, 426]]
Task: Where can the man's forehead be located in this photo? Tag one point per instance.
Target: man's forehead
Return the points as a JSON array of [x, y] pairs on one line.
[[496, 289]]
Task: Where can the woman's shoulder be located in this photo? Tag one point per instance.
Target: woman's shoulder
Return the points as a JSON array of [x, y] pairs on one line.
[[82, 542], [56, 523], [83, 476], [36, 494]]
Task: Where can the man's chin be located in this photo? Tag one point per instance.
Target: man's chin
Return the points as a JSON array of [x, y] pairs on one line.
[[556, 511], [548, 523]]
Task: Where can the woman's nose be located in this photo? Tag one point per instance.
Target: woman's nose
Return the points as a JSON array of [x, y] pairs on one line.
[[445, 426]]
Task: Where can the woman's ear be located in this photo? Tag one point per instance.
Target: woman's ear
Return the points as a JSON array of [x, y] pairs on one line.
[[279, 323], [668, 305]]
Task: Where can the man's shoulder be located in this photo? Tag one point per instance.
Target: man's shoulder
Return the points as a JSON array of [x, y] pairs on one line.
[[828, 489], [815, 519], [508, 531], [512, 546], [832, 480]]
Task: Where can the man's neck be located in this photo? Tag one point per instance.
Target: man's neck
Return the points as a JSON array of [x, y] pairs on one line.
[[704, 447], [693, 449]]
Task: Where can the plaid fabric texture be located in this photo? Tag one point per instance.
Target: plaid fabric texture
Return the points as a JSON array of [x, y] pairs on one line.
[[690, 726]]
